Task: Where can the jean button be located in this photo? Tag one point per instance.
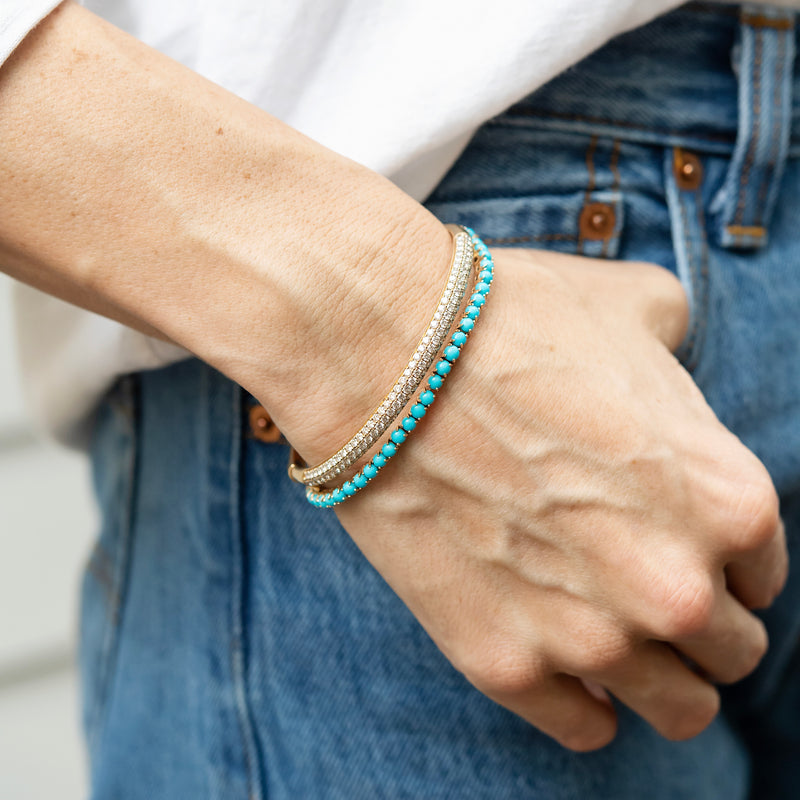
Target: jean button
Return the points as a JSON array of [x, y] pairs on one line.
[[262, 426]]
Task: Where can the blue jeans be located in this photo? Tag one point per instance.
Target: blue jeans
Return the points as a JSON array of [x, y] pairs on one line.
[[235, 644]]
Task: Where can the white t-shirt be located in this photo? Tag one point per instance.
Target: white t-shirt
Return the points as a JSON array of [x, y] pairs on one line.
[[345, 72]]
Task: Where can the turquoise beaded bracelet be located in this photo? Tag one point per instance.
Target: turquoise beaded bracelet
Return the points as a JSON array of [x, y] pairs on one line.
[[441, 323], [327, 498]]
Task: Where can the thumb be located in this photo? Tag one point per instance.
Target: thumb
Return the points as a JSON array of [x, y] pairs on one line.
[[626, 291]]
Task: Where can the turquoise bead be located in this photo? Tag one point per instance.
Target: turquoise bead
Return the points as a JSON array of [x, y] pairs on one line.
[[435, 381], [451, 352], [389, 449], [443, 367]]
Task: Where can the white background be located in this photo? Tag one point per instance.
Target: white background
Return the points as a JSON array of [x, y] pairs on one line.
[[47, 522]]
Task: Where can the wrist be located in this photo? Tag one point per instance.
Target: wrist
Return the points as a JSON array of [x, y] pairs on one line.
[[375, 291]]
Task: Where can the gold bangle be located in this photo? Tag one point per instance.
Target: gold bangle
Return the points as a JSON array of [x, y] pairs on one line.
[[409, 381]]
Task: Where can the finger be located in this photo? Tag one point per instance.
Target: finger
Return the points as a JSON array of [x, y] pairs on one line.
[[746, 533], [658, 686], [757, 578], [561, 707], [732, 645]]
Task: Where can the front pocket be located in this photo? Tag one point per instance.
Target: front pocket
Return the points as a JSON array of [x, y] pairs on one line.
[[582, 194], [524, 187], [580, 223], [113, 453]]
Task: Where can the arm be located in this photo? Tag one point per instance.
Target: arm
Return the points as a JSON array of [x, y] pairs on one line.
[[134, 187], [572, 479]]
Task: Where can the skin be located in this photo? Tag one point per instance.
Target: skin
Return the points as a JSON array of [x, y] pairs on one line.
[[572, 478]]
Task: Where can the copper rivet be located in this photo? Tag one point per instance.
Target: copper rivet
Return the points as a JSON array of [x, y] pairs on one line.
[[597, 221], [688, 170], [262, 426]]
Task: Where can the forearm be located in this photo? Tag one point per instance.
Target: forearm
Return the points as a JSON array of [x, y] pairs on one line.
[[131, 186]]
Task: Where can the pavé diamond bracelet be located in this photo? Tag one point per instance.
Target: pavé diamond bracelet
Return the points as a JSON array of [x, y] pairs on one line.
[[405, 386], [329, 497]]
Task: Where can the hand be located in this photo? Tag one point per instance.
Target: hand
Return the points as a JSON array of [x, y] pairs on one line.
[[572, 479], [572, 515]]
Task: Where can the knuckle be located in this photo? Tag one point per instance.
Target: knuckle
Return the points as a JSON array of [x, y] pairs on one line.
[[673, 293], [669, 306], [694, 719], [604, 653], [504, 671], [746, 661], [688, 605], [756, 513], [763, 588]]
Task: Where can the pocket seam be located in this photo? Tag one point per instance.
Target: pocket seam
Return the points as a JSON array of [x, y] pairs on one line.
[[690, 247]]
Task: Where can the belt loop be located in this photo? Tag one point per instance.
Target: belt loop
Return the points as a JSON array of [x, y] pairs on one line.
[[763, 63]]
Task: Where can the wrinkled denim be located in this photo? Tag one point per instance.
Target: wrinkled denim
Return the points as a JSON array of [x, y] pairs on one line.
[[235, 644]]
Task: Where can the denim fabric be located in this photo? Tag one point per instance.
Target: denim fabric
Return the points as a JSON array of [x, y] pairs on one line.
[[235, 644]]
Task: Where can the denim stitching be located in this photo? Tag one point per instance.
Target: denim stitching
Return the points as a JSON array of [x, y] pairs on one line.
[[756, 131], [761, 21], [590, 151], [701, 298], [691, 338], [699, 278], [747, 230], [774, 144], [614, 167]]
